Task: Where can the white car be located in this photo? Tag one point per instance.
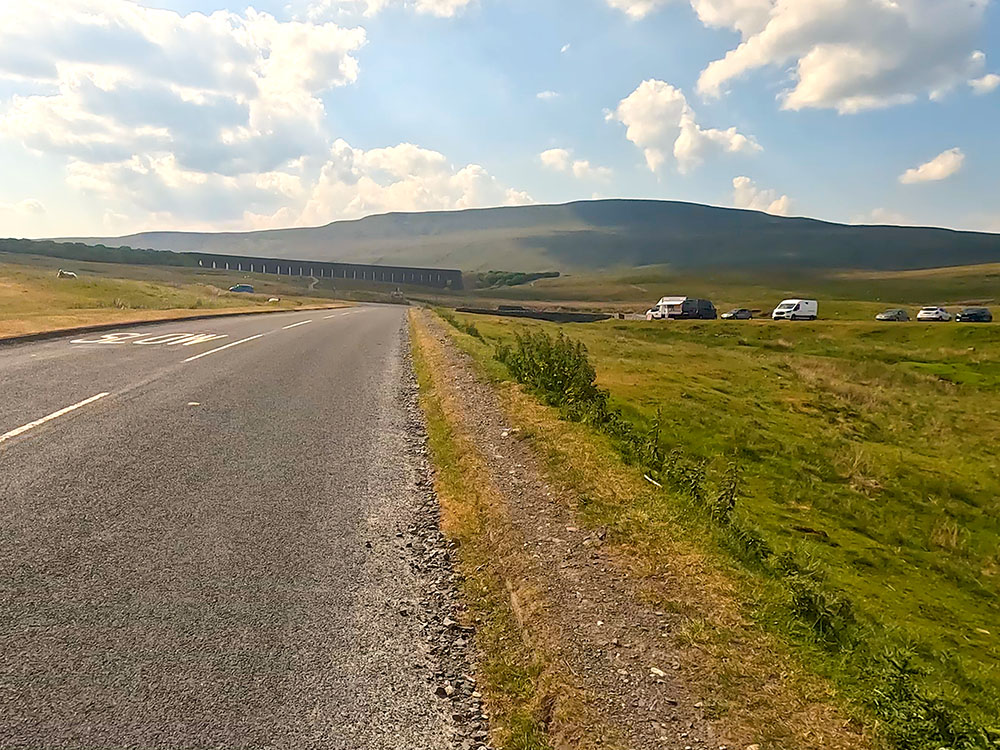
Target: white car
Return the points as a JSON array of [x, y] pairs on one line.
[[934, 313]]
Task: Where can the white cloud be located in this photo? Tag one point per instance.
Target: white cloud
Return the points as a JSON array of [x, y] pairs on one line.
[[354, 182], [332, 9], [561, 160], [881, 216], [565, 48], [637, 8], [659, 120], [208, 121], [27, 207], [986, 84], [746, 194], [941, 167], [547, 95], [224, 93], [849, 55]]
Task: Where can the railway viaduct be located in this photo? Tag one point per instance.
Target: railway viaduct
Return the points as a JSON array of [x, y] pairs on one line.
[[439, 278]]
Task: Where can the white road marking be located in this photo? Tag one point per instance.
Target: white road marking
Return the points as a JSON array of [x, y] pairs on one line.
[[201, 338], [109, 338], [221, 348], [333, 316], [54, 415], [164, 338], [296, 325]]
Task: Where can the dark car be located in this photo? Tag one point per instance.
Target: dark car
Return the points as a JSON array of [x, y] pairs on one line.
[[974, 315], [696, 309], [245, 288], [740, 313], [897, 314]]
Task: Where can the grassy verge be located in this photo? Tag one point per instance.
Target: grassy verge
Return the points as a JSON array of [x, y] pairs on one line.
[[33, 300], [844, 475], [532, 704]]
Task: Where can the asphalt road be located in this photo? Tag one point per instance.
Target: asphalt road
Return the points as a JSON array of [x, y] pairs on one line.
[[206, 556]]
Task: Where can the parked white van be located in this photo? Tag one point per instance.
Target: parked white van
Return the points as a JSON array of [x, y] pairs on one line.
[[796, 309]]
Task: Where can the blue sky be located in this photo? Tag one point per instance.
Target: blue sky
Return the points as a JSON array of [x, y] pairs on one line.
[[118, 116]]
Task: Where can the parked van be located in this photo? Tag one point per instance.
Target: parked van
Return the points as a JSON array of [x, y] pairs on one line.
[[796, 309], [682, 308]]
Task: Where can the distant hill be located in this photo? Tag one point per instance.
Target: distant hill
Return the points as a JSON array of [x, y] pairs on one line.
[[594, 235]]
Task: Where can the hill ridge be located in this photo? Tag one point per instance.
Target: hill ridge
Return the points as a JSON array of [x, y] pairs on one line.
[[589, 235]]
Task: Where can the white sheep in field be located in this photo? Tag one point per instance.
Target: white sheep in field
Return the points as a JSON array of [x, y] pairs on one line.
[[63, 274]]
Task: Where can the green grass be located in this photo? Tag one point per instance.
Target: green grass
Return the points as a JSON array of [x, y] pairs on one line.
[[33, 299], [871, 452], [842, 295]]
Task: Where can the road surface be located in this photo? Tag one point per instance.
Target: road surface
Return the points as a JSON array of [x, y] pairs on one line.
[[198, 538]]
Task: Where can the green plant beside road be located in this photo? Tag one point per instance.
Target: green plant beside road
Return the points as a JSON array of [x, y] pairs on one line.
[[851, 465]]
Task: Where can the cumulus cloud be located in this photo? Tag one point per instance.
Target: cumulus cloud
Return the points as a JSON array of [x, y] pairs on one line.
[[27, 207], [208, 121], [564, 49], [224, 93], [561, 160], [941, 167], [547, 95], [746, 194], [849, 55], [881, 216], [986, 84], [354, 182], [659, 120], [637, 8], [327, 9]]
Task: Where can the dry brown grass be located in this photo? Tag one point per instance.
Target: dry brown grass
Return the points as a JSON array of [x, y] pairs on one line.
[[531, 696]]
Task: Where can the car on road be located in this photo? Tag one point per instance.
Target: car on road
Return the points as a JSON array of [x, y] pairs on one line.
[[974, 315], [896, 314], [244, 288], [933, 313], [740, 313], [796, 309]]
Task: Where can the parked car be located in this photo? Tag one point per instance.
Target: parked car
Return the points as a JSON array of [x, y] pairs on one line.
[[796, 309], [740, 313], [934, 313], [246, 288], [897, 314], [974, 315]]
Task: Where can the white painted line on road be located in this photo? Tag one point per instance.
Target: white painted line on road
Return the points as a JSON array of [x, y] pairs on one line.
[[221, 348], [53, 415], [333, 316], [296, 325], [109, 338]]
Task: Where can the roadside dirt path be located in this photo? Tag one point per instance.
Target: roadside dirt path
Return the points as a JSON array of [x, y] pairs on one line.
[[616, 650]]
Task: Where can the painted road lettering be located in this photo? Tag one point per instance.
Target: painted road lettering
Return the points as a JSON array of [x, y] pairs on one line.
[[109, 338], [163, 339]]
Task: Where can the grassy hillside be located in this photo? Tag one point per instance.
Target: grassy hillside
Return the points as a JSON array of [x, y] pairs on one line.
[[32, 299], [867, 464], [842, 295], [594, 235]]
